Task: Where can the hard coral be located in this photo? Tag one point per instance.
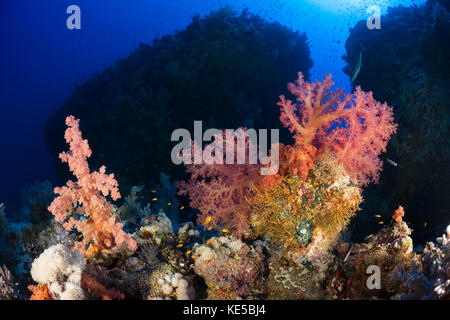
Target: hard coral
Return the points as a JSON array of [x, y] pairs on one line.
[[230, 268], [354, 127], [87, 197]]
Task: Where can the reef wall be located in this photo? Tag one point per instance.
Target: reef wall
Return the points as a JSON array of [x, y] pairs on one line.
[[406, 64], [226, 69]]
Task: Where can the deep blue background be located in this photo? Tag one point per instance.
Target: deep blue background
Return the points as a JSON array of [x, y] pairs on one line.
[[41, 60]]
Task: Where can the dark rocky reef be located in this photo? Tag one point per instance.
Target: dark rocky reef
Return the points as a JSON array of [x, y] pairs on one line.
[[226, 69], [406, 64]]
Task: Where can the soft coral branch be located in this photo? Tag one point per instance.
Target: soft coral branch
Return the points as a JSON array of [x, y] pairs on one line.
[[220, 191], [87, 197], [354, 127]]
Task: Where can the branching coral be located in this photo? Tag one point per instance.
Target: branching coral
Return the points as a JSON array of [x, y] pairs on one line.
[[220, 191], [355, 128], [87, 197], [288, 213]]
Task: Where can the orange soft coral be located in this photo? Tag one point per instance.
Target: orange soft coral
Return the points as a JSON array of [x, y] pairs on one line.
[[87, 197], [40, 292], [398, 215], [355, 128]]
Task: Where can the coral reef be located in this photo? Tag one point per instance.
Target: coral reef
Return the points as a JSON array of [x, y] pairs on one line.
[[230, 268], [429, 278], [406, 65], [280, 236]]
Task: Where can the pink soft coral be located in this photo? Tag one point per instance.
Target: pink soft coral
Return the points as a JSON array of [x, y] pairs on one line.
[[220, 191], [355, 128], [87, 197]]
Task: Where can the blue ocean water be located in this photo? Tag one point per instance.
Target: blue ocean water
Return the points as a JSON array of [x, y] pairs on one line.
[[41, 60]]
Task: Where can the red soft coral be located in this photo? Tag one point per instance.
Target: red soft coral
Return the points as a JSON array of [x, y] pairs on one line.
[[220, 191], [87, 197], [355, 128]]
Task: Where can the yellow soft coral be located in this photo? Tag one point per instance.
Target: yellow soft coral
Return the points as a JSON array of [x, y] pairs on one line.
[[290, 212]]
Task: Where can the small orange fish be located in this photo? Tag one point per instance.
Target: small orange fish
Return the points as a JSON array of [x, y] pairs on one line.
[[211, 241], [210, 228], [193, 257], [169, 204], [180, 245], [381, 222], [225, 230], [154, 199], [207, 220], [377, 216], [153, 191], [182, 207]]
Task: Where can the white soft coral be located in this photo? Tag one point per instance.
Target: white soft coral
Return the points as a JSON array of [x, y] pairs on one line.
[[60, 269]]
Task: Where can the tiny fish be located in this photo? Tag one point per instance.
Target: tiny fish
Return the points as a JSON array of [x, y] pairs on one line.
[[187, 252], [169, 204], [193, 257], [381, 222], [425, 225], [207, 220], [154, 199], [225, 230], [392, 162], [377, 216], [180, 245], [180, 241], [355, 72], [210, 228], [153, 191], [211, 241], [348, 253], [182, 207]]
